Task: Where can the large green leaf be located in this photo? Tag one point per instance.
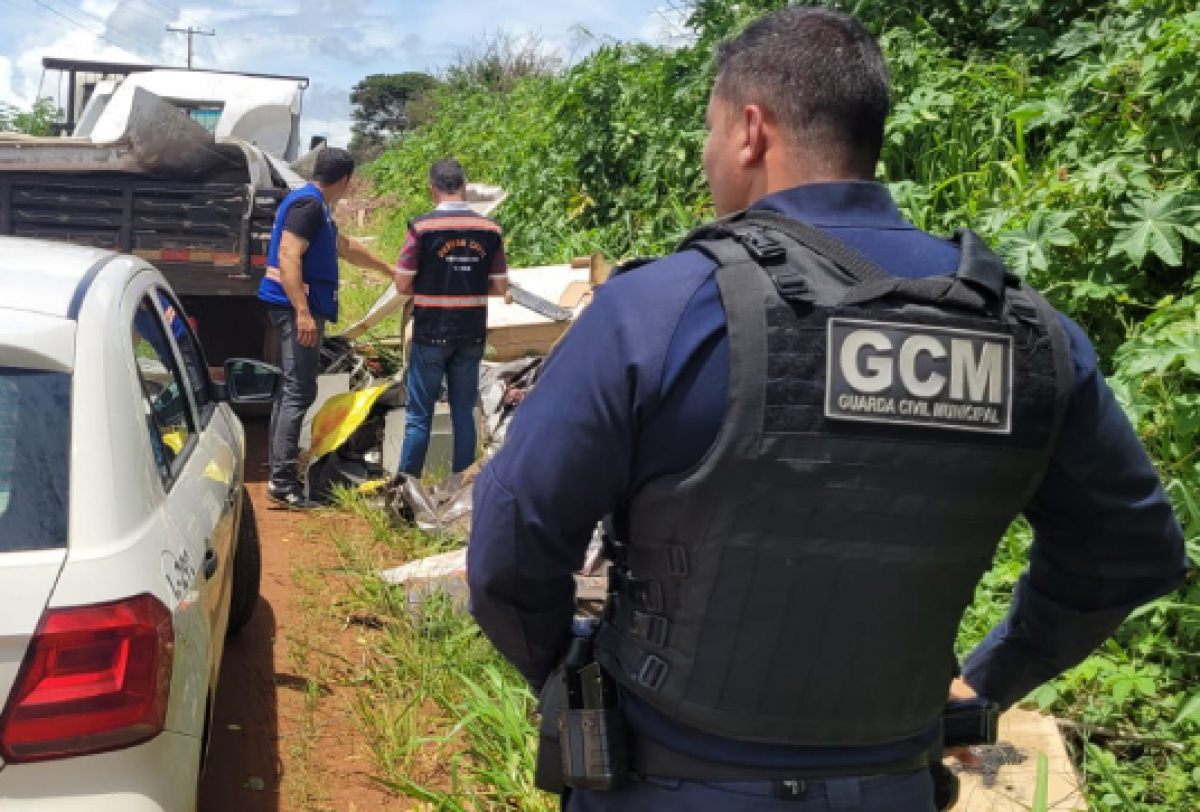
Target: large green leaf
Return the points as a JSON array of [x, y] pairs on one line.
[[1190, 711], [1042, 113], [1083, 36], [1027, 248], [1157, 225]]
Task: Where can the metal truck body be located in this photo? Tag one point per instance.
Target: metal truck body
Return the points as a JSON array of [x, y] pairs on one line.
[[144, 175]]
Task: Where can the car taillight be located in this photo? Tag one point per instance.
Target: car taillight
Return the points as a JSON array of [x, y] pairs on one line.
[[96, 678]]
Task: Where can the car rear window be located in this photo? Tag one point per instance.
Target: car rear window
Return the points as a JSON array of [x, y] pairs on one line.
[[35, 445]]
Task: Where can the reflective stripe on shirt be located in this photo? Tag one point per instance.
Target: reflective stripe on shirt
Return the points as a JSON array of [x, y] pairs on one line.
[[275, 276], [455, 224], [455, 302]]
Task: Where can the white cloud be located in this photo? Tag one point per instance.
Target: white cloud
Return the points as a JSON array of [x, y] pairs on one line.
[[335, 42]]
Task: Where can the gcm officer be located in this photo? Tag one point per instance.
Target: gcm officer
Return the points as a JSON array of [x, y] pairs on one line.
[[794, 546]]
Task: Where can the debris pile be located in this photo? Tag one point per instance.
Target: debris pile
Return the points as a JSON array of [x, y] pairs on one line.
[[355, 430]]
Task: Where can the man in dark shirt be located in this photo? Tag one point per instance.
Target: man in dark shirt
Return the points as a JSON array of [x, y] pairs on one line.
[[301, 290], [638, 391], [452, 261]]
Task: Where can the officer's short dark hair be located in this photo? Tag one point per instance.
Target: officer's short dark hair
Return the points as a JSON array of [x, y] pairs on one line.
[[820, 72], [448, 176], [333, 165]]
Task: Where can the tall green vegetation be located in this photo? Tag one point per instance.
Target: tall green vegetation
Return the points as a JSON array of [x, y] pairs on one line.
[[1064, 131], [36, 121]]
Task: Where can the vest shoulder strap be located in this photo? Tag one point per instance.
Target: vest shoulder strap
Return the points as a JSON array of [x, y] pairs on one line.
[[729, 244], [1027, 299], [979, 284]]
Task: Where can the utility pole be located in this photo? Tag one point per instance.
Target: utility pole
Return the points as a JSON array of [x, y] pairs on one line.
[[191, 32]]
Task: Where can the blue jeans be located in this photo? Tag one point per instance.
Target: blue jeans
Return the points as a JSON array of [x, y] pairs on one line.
[[905, 792], [427, 368]]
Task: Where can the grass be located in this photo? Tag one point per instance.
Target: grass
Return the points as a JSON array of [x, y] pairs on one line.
[[359, 291], [450, 724]]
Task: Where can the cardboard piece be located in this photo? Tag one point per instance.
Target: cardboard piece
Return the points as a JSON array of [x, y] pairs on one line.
[[516, 332], [1005, 778]]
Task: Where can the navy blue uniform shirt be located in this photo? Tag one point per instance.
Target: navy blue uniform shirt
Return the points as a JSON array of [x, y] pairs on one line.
[[636, 391]]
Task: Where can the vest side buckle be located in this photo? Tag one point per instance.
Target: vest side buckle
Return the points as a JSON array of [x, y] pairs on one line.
[[677, 561], [645, 594], [650, 595], [760, 245], [651, 628], [653, 673]]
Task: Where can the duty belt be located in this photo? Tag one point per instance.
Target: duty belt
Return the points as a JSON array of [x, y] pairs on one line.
[[650, 758]]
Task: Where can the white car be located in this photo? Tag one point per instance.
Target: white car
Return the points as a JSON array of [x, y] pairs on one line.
[[127, 548]]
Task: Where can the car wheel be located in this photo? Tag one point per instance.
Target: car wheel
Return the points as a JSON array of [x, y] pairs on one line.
[[247, 569]]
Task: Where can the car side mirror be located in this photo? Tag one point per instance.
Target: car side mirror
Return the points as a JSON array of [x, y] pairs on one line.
[[248, 382]]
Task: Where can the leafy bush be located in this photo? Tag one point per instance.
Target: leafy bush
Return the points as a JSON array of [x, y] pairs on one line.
[[35, 121], [1064, 131]]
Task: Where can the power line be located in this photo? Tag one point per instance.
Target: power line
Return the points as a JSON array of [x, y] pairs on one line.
[[191, 31], [212, 51], [81, 26], [674, 16], [110, 28], [178, 14]]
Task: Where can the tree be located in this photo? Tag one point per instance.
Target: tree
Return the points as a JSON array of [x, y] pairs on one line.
[[36, 121], [498, 61], [382, 108]]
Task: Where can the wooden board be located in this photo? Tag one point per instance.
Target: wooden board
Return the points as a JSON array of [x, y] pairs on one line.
[[523, 340], [1004, 778]]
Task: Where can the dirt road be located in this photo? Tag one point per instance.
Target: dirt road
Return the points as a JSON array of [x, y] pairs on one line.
[[280, 742]]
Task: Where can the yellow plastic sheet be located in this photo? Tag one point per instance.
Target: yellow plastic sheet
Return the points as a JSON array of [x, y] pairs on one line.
[[339, 418], [174, 441]]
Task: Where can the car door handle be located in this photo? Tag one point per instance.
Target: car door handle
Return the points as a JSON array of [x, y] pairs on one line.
[[211, 562]]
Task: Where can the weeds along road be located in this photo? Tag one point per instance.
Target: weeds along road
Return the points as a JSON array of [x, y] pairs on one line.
[[284, 734]]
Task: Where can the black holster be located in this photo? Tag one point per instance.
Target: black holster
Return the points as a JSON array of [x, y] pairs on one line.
[[548, 774], [582, 739]]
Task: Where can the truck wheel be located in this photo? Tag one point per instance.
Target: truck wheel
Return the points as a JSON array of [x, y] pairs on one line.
[[247, 569]]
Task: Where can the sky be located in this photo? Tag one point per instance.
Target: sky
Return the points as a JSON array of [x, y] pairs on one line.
[[334, 42]]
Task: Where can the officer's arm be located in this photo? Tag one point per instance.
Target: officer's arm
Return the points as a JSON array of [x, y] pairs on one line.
[[565, 463], [1105, 542], [291, 269]]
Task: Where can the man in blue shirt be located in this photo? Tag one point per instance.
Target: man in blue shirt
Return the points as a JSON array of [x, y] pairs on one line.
[[639, 392], [301, 291]]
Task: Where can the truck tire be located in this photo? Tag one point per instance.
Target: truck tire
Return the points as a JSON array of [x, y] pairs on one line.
[[247, 569]]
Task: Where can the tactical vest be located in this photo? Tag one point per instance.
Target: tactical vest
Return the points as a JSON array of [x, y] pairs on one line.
[[804, 584], [320, 264], [450, 293]]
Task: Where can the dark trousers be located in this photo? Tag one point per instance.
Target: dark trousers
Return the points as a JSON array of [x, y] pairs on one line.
[[300, 365], [904, 792]]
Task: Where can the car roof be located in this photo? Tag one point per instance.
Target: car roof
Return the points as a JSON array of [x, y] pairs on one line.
[[47, 277]]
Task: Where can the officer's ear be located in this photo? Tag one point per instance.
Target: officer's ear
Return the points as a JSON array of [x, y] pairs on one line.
[[755, 136]]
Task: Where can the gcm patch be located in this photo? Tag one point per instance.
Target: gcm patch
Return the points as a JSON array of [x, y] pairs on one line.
[[919, 375]]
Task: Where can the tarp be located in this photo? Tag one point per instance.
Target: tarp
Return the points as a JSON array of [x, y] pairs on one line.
[[340, 417]]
